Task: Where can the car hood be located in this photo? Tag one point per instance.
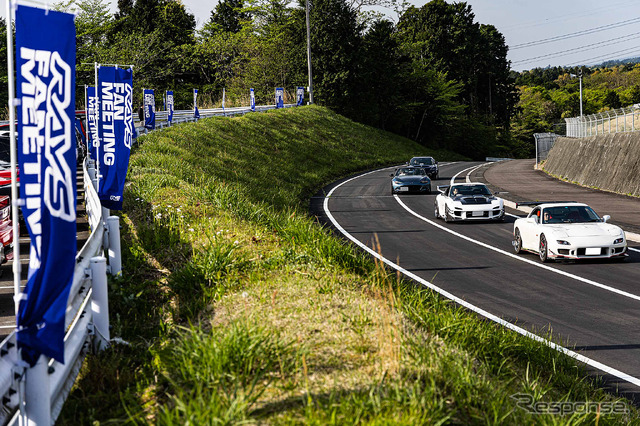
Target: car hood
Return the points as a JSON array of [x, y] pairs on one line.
[[409, 179], [595, 229], [474, 199]]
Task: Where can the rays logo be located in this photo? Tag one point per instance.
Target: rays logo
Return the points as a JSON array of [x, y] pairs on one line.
[[47, 139]]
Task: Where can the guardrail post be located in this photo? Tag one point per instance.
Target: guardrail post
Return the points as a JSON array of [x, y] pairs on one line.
[[37, 407], [105, 237], [115, 259], [100, 302]]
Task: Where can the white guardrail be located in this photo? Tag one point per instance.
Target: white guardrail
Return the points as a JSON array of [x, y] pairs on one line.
[[36, 395]]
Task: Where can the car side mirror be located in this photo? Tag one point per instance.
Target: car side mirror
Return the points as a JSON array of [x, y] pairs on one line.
[[391, 175], [606, 218]]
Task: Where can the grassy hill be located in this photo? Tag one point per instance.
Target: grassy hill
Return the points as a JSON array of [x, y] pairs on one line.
[[237, 307]]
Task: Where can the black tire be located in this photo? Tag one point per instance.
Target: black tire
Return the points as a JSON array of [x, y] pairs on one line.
[[436, 213], [447, 218], [543, 250], [517, 241]]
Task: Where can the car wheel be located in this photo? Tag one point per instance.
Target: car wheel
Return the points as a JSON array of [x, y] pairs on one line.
[[517, 241], [543, 251], [392, 191], [447, 218], [436, 213]]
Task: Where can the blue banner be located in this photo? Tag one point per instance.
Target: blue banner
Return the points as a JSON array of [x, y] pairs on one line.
[[170, 105], [45, 73], [252, 97], [196, 113], [149, 109], [116, 133], [279, 97], [92, 121], [300, 96]]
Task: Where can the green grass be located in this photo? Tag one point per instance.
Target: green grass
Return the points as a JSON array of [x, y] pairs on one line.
[[239, 308]]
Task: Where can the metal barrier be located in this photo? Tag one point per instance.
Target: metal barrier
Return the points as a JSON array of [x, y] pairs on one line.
[[37, 394], [185, 116], [611, 121]]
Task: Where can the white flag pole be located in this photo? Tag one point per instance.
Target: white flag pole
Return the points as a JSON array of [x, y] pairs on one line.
[[99, 116], [15, 217]]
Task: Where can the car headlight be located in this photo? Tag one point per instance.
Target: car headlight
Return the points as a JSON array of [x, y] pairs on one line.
[[425, 180], [563, 242], [395, 181], [618, 241]]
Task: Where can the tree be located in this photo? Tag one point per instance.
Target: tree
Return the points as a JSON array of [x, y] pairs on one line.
[[612, 100], [228, 16], [335, 41]]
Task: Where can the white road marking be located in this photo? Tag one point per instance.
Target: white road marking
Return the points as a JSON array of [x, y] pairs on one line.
[[632, 249], [522, 259], [578, 357]]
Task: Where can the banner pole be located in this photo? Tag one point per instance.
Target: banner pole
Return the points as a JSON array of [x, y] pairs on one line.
[[15, 217], [99, 107]]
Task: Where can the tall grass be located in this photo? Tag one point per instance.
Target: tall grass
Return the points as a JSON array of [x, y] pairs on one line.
[[239, 308]]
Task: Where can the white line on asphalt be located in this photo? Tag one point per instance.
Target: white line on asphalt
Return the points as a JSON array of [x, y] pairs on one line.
[[522, 259], [632, 249], [581, 358], [7, 326]]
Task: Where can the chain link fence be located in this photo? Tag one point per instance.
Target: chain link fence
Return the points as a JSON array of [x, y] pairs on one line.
[[544, 143], [620, 120]]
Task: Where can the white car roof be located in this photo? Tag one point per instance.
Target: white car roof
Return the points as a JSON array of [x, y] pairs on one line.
[[468, 184], [544, 206]]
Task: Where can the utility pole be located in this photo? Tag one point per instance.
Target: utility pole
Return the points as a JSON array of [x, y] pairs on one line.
[[309, 54], [580, 76]]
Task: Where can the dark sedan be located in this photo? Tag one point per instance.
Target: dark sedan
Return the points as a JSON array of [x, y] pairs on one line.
[[427, 163]]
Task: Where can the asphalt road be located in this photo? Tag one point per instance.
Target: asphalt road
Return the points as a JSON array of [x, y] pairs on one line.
[[592, 305]]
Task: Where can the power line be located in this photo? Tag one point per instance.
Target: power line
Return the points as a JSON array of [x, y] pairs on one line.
[[576, 34], [608, 56], [569, 16], [582, 48]]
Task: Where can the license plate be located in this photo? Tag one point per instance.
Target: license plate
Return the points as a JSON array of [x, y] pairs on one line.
[[592, 251], [404, 188], [477, 213]]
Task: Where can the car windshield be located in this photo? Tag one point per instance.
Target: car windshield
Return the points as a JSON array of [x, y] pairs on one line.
[[569, 214], [470, 190], [410, 171], [422, 161]]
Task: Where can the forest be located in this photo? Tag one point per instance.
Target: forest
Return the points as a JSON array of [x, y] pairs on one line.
[[434, 75]]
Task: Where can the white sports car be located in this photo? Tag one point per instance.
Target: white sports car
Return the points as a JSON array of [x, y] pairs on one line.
[[568, 231], [467, 201]]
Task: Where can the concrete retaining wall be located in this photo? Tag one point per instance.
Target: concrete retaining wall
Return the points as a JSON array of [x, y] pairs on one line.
[[610, 162]]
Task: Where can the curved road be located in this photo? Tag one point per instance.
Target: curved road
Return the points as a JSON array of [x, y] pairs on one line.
[[593, 305]]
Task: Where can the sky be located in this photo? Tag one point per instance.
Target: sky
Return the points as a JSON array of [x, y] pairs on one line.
[[609, 30]]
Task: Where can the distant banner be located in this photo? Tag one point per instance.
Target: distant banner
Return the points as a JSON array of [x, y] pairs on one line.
[[170, 105], [196, 113], [252, 98], [279, 97], [45, 73], [116, 131], [300, 96], [92, 121], [149, 109]]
